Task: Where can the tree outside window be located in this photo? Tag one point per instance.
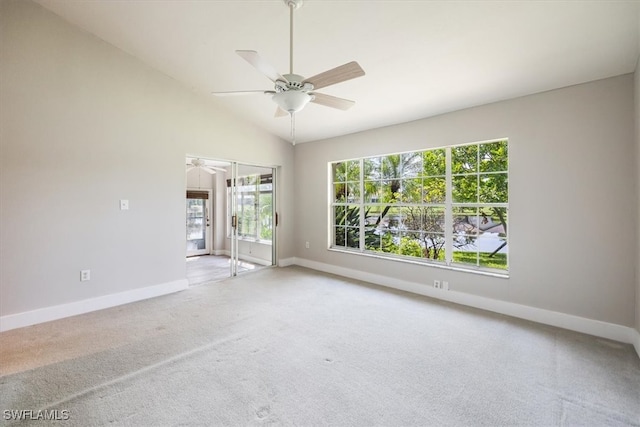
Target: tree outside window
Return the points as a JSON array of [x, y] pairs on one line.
[[400, 204]]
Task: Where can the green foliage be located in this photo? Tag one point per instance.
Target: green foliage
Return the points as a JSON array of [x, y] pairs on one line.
[[347, 221], [247, 221], [434, 162], [464, 159], [483, 185], [493, 188], [266, 216], [498, 261], [381, 242], [464, 189], [494, 157], [405, 191], [434, 190], [410, 247], [348, 171]]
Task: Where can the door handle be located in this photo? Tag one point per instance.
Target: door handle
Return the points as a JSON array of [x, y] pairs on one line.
[[234, 221]]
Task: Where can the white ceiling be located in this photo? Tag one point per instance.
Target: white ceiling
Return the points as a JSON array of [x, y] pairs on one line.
[[421, 58]]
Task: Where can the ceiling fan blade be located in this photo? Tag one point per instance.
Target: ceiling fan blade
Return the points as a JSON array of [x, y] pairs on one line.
[[345, 72], [280, 112], [243, 92], [207, 169], [252, 57], [190, 168], [332, 101]]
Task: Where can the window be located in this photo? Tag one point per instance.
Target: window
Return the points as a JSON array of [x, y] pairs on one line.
[[445, 206], [255, 206]]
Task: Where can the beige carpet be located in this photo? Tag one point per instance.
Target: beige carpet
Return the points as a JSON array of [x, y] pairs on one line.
[[289, 346]]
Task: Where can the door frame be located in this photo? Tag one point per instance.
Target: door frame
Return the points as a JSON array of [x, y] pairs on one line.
[[219, 208], [209, 218]]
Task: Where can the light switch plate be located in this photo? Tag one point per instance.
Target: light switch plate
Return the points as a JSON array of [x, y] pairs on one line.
[[124, 205]]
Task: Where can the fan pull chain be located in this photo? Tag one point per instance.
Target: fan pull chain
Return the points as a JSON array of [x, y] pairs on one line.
[[293, 128]]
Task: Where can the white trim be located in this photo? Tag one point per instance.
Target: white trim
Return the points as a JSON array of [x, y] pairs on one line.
[[419, 261], [286, 262], [46, 314], [243, 257], [635, 339], [208, 241], [562, 320], [260, 261]]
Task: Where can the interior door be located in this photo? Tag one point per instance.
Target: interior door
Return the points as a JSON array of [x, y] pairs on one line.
[[252, 200], [198, 222]]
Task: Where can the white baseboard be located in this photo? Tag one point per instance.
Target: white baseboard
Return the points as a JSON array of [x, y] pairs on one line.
[[286, 262], [244, 257], [553, 318], [636, 340], [27, 318], [249, 258]]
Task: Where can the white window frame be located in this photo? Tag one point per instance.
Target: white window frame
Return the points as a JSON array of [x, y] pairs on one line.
[[448, 205]]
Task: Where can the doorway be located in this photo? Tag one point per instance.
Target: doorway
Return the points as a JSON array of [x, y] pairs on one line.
[[198, 222], [231, 219]]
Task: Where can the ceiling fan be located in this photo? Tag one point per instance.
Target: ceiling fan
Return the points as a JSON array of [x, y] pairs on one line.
[[292, 91], [200, 164]]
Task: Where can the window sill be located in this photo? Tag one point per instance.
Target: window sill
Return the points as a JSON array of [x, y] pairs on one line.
[[443, 266]]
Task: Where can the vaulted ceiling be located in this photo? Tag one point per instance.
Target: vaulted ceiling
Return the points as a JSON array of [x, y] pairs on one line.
[[421, 58]]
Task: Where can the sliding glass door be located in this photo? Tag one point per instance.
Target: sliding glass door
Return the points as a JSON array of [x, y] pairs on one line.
[[252, 217]]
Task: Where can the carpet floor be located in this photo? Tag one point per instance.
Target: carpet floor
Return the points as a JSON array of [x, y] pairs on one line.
[[291, 346]]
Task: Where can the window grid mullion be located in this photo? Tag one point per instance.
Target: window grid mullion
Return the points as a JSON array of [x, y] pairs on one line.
[[406, 210], [361, 208], [448, 209], [478, 201]]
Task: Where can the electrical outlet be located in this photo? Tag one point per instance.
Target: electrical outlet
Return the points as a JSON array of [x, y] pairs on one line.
[[85, 275], [436, 284], [306, 245], [445, 285]]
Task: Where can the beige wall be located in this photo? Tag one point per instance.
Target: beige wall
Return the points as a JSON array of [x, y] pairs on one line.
[[572, 203], [83, 125], [637, 260]]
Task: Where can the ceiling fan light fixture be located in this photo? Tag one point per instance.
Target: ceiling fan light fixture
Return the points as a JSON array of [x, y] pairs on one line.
[[292, 101]]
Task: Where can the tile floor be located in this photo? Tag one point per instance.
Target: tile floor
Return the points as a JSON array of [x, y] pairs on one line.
[[212, 268]]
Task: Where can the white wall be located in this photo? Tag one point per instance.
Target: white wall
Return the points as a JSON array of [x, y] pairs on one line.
[[83, 125], [637, 261], [199, 179], [571, 158]]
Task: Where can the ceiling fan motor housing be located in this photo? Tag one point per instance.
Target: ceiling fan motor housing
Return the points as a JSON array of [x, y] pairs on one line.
[[292, 95], [294, 82]]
